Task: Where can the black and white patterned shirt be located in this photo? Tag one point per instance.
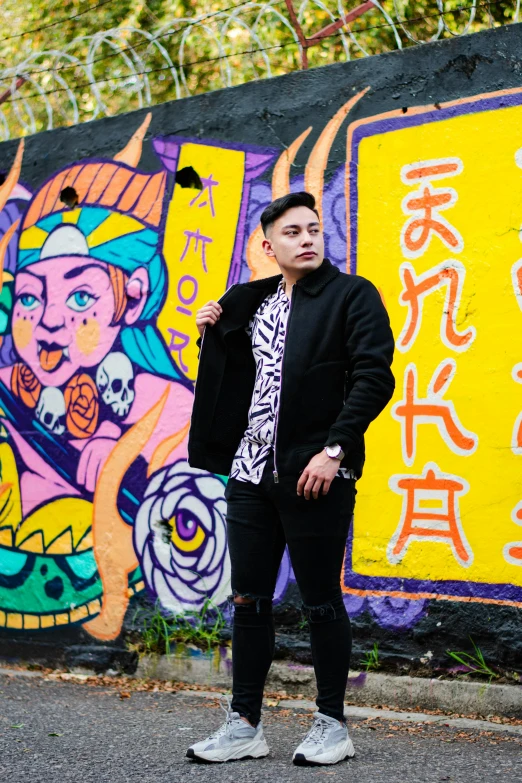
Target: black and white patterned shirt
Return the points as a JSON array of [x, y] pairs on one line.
[[267, 331]]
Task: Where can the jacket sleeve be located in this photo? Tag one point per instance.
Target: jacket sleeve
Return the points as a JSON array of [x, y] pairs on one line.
[[198, 343], [369, 347]]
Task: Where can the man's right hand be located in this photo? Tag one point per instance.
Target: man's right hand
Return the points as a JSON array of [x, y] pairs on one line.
[[208, 316]]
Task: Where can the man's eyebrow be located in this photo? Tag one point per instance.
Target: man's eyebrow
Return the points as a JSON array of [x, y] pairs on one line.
[[78, 270], [314, 223]]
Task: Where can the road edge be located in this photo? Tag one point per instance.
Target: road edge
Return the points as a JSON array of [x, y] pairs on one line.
[[364, 689]]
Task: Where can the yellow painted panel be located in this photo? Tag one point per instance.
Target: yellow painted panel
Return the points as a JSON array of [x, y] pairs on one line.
[[14, 620], [94, 606], [80, 613], [71, 216], [6, 537], [199, 241], [31, 622], [32, 237], [115, 225], [462, 367], [57, 527]]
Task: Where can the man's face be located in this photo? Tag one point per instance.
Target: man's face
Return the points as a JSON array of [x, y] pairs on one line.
[[296, 241]]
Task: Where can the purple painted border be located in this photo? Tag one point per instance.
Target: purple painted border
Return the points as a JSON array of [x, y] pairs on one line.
[[372, 584], [389, 124], [497, 592]]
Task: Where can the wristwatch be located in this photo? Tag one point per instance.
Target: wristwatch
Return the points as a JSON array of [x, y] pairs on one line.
[[335, 452]]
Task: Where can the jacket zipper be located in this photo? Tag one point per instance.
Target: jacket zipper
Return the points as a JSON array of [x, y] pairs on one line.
[[276, 472]]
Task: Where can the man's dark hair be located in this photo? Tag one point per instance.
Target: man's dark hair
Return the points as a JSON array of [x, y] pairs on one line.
[[283, 204]]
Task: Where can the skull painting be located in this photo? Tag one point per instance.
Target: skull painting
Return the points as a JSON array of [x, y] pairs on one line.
[[115, 382], [50, 410]]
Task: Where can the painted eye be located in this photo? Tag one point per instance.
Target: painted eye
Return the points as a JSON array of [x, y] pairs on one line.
[[29, 302], [80, 300], [187, 534]]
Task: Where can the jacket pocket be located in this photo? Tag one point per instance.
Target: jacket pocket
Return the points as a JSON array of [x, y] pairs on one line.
[[323, 393], [303, 455]]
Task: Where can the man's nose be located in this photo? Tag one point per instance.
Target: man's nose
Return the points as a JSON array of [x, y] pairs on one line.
[[306, 239]]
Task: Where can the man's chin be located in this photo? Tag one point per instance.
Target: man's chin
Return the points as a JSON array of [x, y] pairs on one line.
[[308, 264]]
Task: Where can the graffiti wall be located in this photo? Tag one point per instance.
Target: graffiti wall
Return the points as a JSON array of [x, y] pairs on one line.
[[105, 259]]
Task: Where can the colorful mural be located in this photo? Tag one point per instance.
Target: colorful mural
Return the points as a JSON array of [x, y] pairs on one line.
[[98, 361], [98, 500]]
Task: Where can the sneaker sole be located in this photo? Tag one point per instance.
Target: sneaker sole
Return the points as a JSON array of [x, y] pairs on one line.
[[250, 753], [348, 752]]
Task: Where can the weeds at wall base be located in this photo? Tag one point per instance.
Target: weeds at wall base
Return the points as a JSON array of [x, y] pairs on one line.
[[157, 632], [370, 661], [470, 663]]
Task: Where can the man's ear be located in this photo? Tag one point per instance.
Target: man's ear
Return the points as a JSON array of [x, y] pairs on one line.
[[267, 247], [137, 290]]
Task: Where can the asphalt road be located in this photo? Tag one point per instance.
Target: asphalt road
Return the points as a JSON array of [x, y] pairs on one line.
[[63, 732]]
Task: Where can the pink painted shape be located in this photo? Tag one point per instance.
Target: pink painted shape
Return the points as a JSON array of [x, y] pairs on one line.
[[175, 415], [39, 482]]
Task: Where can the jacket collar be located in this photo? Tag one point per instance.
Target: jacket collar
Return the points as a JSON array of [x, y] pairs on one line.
[[312, 284]]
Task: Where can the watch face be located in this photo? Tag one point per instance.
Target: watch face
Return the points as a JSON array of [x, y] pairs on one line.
[[333, 451]]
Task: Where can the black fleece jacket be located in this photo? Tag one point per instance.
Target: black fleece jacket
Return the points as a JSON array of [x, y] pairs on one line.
[[336, 375]]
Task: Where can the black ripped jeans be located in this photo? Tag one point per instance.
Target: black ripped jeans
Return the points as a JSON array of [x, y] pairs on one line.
[[261, 520]]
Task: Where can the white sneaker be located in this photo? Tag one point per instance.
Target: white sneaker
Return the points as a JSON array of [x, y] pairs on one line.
[[234, 740], [327, 742]]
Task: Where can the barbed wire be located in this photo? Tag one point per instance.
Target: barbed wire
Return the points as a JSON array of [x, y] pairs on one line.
[[169, 34], [64, 20], [242, 53], [56, 100]]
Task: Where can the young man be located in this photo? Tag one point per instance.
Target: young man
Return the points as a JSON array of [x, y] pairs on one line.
[[292, 371]]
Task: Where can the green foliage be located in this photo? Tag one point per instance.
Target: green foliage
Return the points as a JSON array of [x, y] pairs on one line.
[[370, 661], [475, 663], [159, 631], [207, 64]]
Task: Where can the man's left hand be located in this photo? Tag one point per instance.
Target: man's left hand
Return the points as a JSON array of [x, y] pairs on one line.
[[318, 475]]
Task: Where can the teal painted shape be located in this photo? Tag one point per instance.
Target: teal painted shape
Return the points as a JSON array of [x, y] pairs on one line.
[[83, 565], [47, 588], [11, 561], [90, 218], [50, 222]]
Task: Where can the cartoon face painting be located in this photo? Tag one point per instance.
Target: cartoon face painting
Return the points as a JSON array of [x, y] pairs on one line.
[[63, 317]]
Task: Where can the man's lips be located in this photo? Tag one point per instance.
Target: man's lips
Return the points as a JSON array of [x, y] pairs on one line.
[[51, 355], [307, 254]]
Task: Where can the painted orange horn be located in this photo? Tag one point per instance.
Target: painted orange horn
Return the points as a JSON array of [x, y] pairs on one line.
[[12, 178], [318, 160], [4, 243], [260, 264], [281, 175], [112, 537], [131, 153]]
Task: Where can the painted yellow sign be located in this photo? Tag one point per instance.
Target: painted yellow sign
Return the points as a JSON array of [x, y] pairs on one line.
[[438, 205], [199, 241]]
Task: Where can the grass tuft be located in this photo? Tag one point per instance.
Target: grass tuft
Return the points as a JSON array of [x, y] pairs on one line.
[[370, 661], [159, 630], [474, 663]]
